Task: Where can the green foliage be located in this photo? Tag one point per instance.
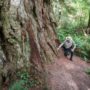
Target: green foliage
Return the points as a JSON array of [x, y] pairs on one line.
[[87, 70], [25, 80], [18, 85], [83, 44], [45, 88], [72, 17]]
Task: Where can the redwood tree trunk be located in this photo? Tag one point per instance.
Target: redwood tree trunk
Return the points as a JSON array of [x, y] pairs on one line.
[[27, 33]]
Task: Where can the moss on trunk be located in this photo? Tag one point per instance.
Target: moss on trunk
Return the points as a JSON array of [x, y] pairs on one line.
[[28, 34]]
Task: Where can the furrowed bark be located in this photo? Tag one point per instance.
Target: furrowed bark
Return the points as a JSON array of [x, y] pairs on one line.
[[27, 33]]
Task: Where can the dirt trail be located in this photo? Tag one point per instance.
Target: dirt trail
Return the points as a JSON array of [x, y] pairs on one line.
[[68, 75], [64, 74]]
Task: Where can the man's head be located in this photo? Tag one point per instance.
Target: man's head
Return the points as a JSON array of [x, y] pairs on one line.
[[68, 39]]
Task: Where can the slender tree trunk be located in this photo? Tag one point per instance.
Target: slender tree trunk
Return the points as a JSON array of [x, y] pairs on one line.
[[88, 27], [27, 33]]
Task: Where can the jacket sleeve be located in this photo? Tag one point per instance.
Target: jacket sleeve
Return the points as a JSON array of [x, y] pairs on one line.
[[74, 45], [62, 44]]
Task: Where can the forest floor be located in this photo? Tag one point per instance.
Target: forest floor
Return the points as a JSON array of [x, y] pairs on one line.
[[64, 74]]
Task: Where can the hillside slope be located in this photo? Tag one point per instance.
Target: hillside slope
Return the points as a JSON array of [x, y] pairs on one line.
[[68, 75]]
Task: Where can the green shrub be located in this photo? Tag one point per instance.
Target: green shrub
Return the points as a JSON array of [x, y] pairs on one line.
[[87, 70], [82, 42], [18, 85], [46, 88], [25, 80]]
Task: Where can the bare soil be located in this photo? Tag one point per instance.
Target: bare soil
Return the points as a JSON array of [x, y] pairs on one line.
[[64, 74]]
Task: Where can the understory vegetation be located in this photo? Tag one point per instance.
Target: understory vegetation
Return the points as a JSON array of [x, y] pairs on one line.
[[87, 70], [25, 81], [73, 17]]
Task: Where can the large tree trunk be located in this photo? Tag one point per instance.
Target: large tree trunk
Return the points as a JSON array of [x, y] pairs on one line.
[[27, 33]]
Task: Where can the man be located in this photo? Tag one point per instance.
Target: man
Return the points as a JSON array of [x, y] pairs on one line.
[[68, 46]]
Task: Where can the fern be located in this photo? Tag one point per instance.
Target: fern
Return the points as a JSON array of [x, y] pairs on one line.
[[18, 85]]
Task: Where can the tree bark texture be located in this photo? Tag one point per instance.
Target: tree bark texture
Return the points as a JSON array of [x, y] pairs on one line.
[[88, 27], [27, 32]]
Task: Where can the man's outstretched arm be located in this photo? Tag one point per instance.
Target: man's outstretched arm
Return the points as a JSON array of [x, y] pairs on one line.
[[74, 46], [60, 45]]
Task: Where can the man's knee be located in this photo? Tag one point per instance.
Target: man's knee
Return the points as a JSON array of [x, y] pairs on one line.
[[65, 53], [72, 54]]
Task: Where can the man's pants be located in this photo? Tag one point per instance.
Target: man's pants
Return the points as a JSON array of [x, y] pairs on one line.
[[67, 51]]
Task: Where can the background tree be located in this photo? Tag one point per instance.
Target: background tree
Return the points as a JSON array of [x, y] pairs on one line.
[[74, 21], [88, 27]]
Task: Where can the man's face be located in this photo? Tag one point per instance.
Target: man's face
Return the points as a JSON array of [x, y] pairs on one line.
[[68, 40]]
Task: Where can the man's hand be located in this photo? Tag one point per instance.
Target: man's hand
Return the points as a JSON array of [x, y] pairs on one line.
[[72, 50], [57, 49]]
